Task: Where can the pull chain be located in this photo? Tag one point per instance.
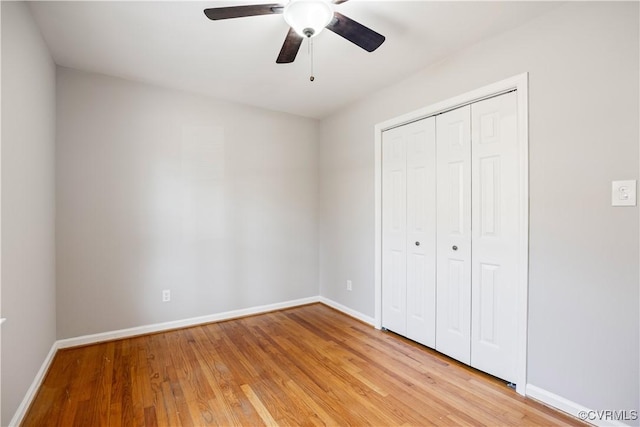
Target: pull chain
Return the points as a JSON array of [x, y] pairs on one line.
[[311, 77]]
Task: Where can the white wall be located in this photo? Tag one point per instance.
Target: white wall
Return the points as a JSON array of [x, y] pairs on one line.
[[159, 189], [28, 262], [584, 132]]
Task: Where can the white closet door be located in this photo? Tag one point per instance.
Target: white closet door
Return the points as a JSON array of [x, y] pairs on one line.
[[421, 231], [408, 230], [394, 230], [495, 198], [453, 335]]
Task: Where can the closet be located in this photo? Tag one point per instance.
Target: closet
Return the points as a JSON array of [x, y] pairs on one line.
[[450, 233]]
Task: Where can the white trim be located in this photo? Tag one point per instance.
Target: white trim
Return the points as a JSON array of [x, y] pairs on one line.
[[176, 324], [551, 399], [33, 389], [159, 327], [348, 311], [377, 246], [522, 91], [141, 330], [572, 408], [520, 84]]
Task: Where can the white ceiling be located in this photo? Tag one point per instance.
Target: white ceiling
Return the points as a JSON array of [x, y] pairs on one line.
[[173, 44]]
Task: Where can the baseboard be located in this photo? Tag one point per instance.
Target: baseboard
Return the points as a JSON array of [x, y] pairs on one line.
[[159, 327], [346, 310], [227, 315], [597, 418], [33, 389], [194, 321], [130, 332]]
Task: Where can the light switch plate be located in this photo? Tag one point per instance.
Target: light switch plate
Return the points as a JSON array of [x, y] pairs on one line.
[[623, 193]]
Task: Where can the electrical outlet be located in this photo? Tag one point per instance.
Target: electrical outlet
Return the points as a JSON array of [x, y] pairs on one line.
[[166, 295], [349, 285]]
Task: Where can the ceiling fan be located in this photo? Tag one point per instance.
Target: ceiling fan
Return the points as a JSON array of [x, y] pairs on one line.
[[306, 18]]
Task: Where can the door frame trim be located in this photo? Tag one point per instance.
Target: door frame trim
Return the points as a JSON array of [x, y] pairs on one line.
[[519, 83]]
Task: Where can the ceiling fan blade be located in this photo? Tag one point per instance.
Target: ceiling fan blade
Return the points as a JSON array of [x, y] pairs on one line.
[[217, 13], [339, 1], [290, 47], [355, 32]]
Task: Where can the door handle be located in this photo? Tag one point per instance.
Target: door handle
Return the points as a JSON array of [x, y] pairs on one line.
[[417, 243], [455, 248]]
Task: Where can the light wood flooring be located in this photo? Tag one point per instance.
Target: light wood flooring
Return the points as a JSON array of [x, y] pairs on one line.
[[309, 365]]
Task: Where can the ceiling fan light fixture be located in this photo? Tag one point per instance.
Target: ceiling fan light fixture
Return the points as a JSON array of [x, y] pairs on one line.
[[308, 17]]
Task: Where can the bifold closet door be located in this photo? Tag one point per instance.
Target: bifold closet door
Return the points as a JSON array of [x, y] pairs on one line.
[[453, 284], [478, 235], [495, 206], [408, 230], [394, 230]]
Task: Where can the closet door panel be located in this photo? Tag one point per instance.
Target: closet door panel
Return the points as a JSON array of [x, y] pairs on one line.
[[408, 230], [394, 230], [453, 277], [421, 233], [495, 206]]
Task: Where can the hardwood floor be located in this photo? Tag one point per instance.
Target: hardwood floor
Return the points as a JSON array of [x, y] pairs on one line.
[[308, 365]]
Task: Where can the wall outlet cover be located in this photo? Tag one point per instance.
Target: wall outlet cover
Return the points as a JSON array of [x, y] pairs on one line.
[[623, 193]]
